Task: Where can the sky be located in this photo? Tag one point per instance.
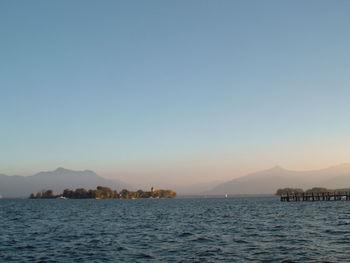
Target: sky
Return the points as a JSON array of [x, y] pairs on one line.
[[180, 91]]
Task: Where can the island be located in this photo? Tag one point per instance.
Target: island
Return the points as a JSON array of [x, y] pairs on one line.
[[102, 192]]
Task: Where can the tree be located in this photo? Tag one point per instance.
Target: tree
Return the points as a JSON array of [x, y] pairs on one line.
[[124, 193], [80, 193], [102, 192], [140, 194], [68, 193], [316, 190], [289, 191], [106, 192], [47, 194], [91, 194]]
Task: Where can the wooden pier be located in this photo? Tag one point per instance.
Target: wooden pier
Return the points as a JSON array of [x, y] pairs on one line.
[[324, 196]]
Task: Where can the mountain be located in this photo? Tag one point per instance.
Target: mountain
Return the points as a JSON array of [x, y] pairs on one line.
[[194, 189], [268, 181], [57, 180]]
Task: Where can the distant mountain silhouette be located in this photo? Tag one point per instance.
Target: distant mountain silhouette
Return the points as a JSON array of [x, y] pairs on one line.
[[195, 189], [57, 180], [268, 181]]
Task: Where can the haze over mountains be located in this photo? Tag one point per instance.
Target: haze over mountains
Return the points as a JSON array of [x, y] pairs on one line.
[[262, 182], [57, 180], [268, 181]]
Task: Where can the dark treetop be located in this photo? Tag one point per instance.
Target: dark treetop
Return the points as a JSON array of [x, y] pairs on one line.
[[104, 193]]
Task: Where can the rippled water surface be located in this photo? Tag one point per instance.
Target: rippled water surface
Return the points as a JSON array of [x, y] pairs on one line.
[[174, 230]]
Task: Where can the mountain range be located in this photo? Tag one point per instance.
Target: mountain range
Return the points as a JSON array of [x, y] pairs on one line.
[[57, 180], [261, 182], [268, 181]]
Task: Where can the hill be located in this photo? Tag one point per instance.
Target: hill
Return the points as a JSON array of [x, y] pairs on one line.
[[268, 181], [57, 180]]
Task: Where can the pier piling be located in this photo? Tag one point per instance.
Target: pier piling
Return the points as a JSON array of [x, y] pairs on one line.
[[323, 196]]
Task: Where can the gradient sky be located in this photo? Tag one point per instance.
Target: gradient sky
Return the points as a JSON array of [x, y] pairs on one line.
[[174, 91]]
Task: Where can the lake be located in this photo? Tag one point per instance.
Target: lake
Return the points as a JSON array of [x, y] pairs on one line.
[[248, 229]]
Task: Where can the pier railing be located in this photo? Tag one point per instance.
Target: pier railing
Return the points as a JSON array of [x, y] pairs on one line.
[[323, 196]]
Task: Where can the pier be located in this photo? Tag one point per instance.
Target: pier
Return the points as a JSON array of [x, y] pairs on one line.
[[322, 196]]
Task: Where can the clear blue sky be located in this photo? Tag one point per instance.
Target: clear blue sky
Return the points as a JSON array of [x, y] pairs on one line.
[[125, 86]]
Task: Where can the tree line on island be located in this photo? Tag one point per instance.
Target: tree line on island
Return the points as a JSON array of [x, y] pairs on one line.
[[314, 190], [102, 192]]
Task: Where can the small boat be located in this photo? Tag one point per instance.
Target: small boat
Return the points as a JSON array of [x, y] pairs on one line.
[[62, 198]]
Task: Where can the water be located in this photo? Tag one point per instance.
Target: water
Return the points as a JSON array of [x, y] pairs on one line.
[[174, 230]]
